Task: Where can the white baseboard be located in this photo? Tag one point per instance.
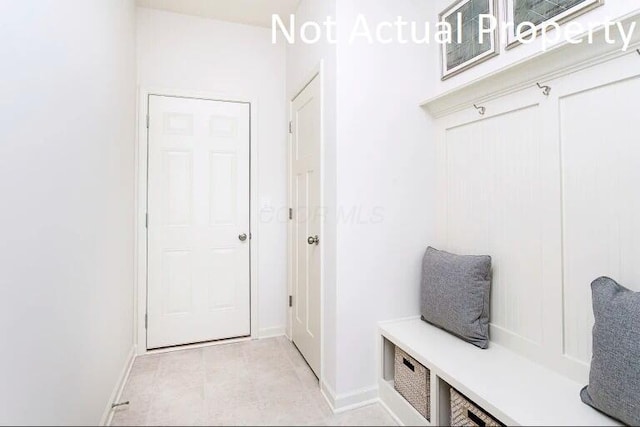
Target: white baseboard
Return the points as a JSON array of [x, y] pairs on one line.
[[392, 414], [349, 401], [107, 415], [271, 332]]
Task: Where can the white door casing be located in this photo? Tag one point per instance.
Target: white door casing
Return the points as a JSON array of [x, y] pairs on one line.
[[307, 216], [198, 204]]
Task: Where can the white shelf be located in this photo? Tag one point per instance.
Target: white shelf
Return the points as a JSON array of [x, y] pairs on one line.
[[559, 61], [510, 387]]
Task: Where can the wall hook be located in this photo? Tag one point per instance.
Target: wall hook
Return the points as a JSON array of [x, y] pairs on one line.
[[638, 50], [546, 90], [481, 110]]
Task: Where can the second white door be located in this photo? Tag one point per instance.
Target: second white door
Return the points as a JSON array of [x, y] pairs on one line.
[[198, 221], [306, 240]]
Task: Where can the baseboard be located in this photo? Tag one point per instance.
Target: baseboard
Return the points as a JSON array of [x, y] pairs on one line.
[[271, 332], [107, 415], [392, 414], [349, 401]]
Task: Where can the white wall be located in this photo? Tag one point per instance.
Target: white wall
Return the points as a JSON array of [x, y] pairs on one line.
[[179, 52], [378, 185], [611, 10], [302, 63], [386, 168], [66, 183]]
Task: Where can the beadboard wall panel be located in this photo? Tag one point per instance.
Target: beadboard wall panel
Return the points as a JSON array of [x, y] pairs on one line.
[[547, 185], [601, 204], [494, 200]]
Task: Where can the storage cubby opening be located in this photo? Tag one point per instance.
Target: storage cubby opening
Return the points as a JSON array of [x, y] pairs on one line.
[[388, 359], [443, 401]]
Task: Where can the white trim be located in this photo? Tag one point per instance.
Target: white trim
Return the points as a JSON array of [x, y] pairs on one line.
[[141, 205], [323, 175], [349, 401], [316, 72], [274, 332], [558, 61], [391, 413], [116, 394]]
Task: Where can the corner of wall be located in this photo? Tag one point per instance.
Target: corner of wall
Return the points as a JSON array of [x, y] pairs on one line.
[[116, 394], [349, 401]]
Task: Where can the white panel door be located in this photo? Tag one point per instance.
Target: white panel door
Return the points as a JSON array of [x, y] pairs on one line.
[[198, 225], [306, 239]]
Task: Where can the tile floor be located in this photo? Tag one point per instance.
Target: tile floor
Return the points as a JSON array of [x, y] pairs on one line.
[[264, 382]]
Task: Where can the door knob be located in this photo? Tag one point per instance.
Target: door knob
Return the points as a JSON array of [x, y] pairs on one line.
[[313, 240], [242, 237]]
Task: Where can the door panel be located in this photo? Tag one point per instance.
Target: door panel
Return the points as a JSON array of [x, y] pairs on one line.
[[198, 204], [305, 192]]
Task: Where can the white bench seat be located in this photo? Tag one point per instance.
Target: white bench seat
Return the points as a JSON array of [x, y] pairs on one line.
[[512, 388]]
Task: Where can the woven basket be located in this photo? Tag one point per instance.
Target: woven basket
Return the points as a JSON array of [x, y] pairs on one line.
[[413, 382], [465, 413]]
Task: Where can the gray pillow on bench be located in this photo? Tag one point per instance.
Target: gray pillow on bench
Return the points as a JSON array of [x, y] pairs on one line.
[[614, 382], [456, 294]]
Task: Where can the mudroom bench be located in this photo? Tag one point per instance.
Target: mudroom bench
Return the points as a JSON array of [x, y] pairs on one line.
[[510, 388]]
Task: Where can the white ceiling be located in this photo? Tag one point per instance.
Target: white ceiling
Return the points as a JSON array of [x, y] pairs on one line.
[[251, 12]]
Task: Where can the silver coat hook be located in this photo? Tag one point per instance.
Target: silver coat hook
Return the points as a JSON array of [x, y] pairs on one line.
[[481, 110], [546, 90]]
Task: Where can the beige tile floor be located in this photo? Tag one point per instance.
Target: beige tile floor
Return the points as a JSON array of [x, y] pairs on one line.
[[264, 382]]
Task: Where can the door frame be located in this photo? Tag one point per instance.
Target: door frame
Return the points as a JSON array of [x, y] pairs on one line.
[[316, 72], [141, 179]]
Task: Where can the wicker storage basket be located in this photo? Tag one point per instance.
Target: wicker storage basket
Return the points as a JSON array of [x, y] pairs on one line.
[[413, 382], [465, 413]]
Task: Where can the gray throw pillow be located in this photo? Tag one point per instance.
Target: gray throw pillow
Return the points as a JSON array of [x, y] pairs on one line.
[[614, 382], [456, 294]]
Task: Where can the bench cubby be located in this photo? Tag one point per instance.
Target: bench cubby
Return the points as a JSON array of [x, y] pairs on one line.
[[506, 385]]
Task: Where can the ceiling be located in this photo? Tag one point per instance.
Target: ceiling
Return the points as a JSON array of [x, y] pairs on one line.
[[250, 12]]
